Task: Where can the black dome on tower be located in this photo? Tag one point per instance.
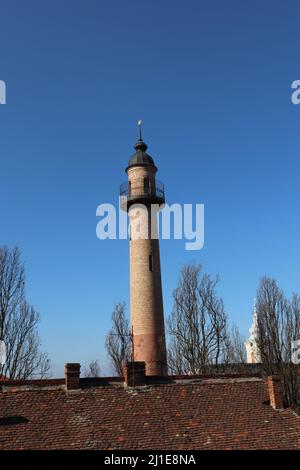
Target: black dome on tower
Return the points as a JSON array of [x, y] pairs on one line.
[[140, 157]]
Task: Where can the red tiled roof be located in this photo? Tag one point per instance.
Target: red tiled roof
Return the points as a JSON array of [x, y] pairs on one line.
[[227, 413]]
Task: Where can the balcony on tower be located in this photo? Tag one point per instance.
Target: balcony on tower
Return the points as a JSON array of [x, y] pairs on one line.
[[150, 192]]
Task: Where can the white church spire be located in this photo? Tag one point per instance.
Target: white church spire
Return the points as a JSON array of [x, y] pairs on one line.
[[253, 355]]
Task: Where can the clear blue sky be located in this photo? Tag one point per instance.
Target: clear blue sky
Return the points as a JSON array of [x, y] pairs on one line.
[[211, 81]]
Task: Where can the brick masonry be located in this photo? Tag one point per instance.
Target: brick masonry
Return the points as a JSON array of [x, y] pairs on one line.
[[146, 301], [275, 392], [72, 376]]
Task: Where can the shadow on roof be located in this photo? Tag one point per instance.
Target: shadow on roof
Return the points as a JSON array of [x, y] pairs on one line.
[[12, 420]]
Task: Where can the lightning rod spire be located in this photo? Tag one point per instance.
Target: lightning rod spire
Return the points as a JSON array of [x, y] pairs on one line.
[[140, 122]]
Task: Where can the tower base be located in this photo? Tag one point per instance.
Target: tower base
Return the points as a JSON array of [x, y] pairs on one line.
[[152, 350]]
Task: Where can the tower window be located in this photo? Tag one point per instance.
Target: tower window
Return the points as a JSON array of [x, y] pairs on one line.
[[146, 185], [150, 263]]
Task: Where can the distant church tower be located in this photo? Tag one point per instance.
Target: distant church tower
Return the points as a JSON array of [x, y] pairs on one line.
[[146, 302], [253, 354]]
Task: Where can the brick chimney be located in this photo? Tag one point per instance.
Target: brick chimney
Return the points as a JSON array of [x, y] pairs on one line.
[[72, 375], [275, 392], [135, 373], [146, 299]]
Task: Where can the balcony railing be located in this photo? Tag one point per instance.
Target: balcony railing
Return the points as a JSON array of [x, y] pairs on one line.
[[137, 193], [158, 190]]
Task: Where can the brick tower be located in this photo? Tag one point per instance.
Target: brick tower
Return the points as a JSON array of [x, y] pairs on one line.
[[144, 193]]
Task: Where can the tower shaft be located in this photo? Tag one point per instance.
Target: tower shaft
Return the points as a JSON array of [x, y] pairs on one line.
[[146, 301]]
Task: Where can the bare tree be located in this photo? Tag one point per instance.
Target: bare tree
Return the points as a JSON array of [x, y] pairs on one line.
[[235, 351], [278, 325], [197, 324], [118, 341], [93, 369], [18, 322]]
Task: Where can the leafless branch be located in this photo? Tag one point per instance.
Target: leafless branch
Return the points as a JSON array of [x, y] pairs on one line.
[[197, 324], [118, 341], [18, 322]]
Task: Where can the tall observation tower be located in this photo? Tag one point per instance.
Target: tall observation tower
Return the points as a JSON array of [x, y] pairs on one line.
[[144, 197]]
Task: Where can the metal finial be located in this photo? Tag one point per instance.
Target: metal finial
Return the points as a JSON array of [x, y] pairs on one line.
[[140, 128]]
